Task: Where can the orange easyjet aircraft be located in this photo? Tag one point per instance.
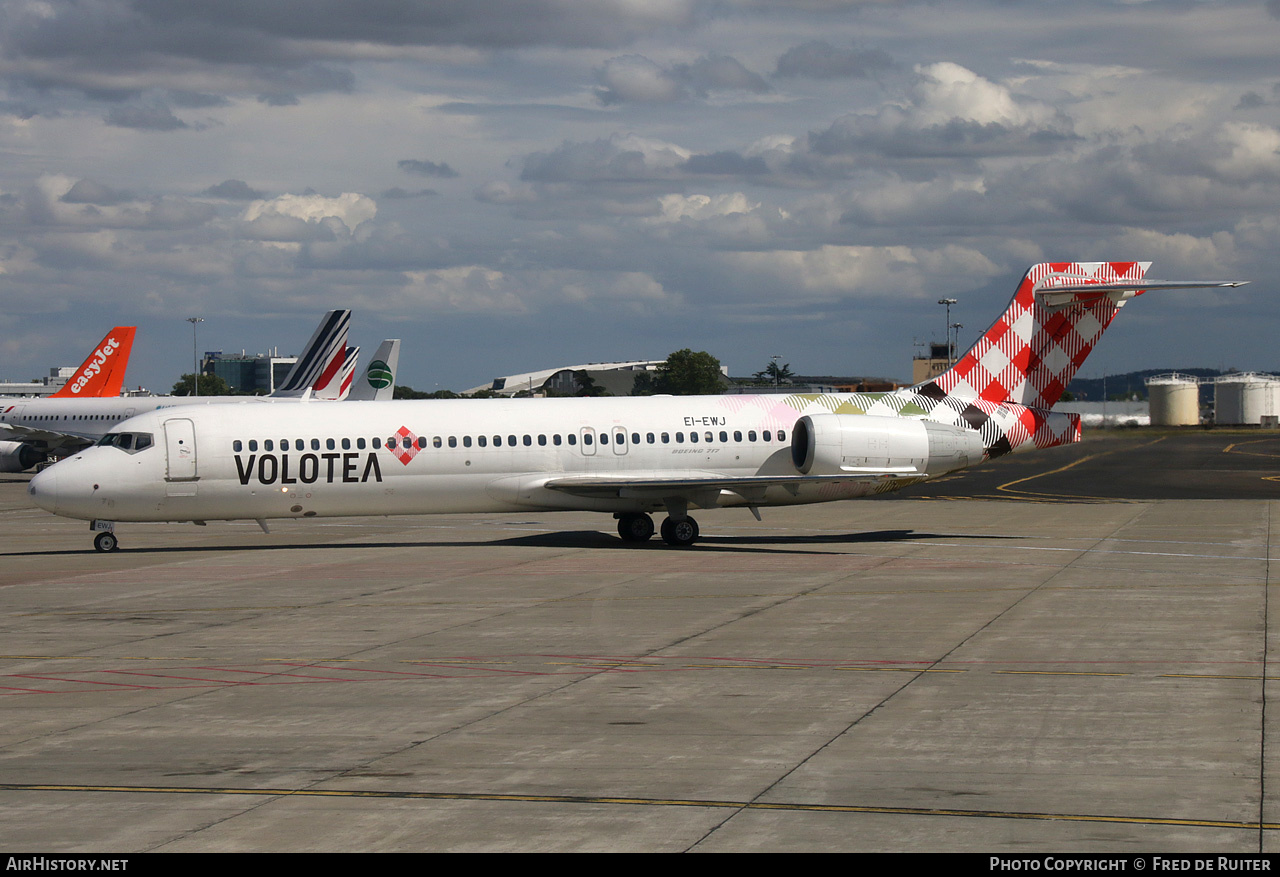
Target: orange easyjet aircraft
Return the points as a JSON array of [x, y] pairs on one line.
[[102, 374]]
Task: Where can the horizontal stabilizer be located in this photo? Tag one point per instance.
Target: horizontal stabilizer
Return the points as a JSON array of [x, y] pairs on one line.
[[1057, 291]]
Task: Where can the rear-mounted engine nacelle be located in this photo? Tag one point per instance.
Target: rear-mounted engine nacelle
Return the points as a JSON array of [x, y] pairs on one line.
[[17, 457], [846, 444]]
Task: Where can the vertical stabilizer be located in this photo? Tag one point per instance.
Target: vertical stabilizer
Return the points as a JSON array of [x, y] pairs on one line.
[[323, 357], [378, 381], [1032, 351], [335, 387], [102, 374]]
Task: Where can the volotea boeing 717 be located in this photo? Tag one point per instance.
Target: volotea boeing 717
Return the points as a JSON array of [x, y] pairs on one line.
[[628, 457]]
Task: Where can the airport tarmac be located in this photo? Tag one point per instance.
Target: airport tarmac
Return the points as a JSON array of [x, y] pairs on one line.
[[1062, 651]]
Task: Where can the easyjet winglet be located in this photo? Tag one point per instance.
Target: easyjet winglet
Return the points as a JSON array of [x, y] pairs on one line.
[[102, 374]]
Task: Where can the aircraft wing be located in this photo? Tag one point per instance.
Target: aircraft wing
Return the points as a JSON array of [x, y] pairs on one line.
[[54, 439], [702, 489]]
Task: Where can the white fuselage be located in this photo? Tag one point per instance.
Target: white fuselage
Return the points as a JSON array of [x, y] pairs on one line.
[[88, 419], [306, 460]]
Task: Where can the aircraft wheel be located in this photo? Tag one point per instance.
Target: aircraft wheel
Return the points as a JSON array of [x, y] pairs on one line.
[[635, 528], [105, 542], [679, 533]]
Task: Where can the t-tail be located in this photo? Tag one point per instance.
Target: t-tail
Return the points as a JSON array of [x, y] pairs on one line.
[[102, 374], [1008, 382]]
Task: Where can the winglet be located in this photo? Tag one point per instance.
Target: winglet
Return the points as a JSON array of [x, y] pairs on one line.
[[102, 374]]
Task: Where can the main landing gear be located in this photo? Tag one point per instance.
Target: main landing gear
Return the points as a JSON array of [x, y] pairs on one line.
[[680, 532], [635, 528], [105, 542]]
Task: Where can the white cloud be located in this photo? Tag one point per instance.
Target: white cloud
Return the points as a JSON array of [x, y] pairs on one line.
[[350, 207], [852, 272], [700, 207]]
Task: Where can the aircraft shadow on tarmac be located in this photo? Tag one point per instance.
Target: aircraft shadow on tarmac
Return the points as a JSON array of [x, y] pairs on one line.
[[596, 539]]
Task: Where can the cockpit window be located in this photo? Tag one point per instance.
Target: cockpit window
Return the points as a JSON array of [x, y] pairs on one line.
[[126, 441]]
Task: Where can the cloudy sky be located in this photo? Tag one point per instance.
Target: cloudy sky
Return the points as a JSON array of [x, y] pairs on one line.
[[515, 184]]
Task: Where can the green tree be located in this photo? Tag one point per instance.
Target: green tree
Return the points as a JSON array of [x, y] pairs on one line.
[[587, 385], [210, 385], [686, 373], [644, 384], [775, 374], [404, 392]]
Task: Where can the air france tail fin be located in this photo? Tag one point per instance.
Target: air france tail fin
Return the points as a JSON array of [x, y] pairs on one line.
[[102, 374], [378, 382], [335, 387], [1057, 315], [323, 357]]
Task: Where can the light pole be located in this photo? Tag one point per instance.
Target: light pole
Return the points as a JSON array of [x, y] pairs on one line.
[[947, 327], [195, 359], [775, 358], [953, 346]]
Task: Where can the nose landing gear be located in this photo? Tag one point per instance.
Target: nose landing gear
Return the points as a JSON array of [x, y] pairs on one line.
[[105, 541]]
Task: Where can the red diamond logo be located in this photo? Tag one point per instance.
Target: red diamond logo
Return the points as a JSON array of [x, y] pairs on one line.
[[403, 445]]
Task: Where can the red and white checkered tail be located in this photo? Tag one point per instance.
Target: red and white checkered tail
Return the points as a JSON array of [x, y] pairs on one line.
[[1032, 351]]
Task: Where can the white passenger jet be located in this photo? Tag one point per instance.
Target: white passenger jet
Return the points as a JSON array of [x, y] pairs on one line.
[[627, 457], [324, 370], [101, 375]]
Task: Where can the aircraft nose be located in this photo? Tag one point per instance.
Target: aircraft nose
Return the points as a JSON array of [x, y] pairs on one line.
[[43, 489]]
